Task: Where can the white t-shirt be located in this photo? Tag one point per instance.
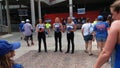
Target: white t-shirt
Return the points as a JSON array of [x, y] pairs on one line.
[[87, 28], [27, 29], [57, 27], [42, 26]]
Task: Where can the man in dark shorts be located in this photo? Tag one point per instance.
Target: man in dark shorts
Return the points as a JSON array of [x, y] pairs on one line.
[[28, 30]]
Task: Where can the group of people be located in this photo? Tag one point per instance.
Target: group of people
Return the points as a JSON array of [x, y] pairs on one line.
[[58, 29], [92, 31], [26, 29], [111, 46]]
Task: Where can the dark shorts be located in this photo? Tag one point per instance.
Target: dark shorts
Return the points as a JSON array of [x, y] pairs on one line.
[[88, 37], [28, 37]]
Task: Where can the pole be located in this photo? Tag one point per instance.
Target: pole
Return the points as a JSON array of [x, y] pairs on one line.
[[32, 12], [70, 8], [8, 16], [20, 7], [39, 8], [1, 16]]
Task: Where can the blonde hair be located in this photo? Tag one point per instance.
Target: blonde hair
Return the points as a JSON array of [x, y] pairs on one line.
[[116, 6], [57, 19]]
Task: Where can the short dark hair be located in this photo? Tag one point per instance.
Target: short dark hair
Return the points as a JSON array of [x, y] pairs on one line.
[[116, 6], [88, 20]]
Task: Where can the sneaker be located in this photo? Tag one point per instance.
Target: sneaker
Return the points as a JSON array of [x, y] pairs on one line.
[[55, 51], [28, 45], [61, 51], [66, 52], [72, 52], [86, 51], [32, 43], [90, 54]]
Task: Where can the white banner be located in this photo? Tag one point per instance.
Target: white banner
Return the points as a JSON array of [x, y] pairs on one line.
[[81, 10]]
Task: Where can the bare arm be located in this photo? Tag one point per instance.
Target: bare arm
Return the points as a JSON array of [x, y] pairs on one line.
[[37, 30], [109, 46], [61, 27], [53, 27], [82, 30], [74, 28]]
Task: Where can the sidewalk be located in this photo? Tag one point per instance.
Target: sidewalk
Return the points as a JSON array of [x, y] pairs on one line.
[[30, 58]]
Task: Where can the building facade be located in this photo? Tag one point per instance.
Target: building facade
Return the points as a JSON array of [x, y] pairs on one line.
[[13, 11]]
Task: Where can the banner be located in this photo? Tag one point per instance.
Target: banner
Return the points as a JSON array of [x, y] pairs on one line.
[[81, 10]]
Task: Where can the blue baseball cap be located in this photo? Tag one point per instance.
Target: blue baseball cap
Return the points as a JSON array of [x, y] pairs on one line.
[[6, 47], [100, 17]]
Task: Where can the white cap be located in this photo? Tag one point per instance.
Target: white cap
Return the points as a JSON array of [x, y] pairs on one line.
[[27, 20], [22, 21]]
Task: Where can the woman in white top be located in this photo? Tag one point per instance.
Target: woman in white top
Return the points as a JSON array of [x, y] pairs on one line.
[[87, 30], [71, 27], [57, 27], [40, 28]]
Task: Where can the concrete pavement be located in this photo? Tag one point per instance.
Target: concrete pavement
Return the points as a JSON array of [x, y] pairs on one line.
[[30, 58]]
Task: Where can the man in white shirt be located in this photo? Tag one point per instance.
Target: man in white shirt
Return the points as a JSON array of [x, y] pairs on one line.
[[28, 30]]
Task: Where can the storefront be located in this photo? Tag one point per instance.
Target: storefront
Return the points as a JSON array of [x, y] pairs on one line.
[[3, 17]]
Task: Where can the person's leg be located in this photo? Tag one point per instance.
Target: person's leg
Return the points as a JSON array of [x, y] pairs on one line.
[[56, 40], [26, 39], [68, 46], [103, 44], [98, 39], [39, 43], [21, 35], [31, 38], [86, 46], [60, 43], [90, 44], [72, 41], [90, 47], [99, 45], [44, 41]]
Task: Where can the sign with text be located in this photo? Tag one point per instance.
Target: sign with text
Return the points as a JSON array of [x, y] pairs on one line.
[[81, 10]]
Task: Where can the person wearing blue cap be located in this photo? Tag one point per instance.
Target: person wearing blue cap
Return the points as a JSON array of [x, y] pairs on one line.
[[101, 32], [112, 45], [57, 27], [7, 51], [71, 27]]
